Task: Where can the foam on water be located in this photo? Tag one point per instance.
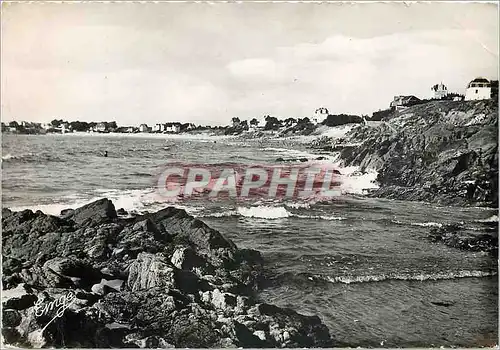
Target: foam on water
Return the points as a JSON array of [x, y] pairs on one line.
[[407, 277], [264, 212], [493, 218], [293, 153], [355, 182], [422, 224], [268, 213]]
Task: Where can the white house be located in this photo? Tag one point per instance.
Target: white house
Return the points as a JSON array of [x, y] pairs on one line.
[[159, 128], [173, 127], [439, 91], [478, 89], [143, 128], [320, 115]]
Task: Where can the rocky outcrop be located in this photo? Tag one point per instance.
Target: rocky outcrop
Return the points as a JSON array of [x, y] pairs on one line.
[[93, 279], [441, 151], [479, 239]]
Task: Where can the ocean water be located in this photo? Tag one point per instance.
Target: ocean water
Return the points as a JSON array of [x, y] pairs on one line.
[[363, 265]]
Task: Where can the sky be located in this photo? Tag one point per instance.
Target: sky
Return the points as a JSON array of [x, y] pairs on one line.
[[206, 63]]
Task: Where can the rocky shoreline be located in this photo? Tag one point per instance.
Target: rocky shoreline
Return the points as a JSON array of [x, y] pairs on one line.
[[91, 278], [444, 152]]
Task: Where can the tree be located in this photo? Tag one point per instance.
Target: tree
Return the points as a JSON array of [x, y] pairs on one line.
[[79, 126], [254, 121], [56, 122], [112, 125], [14, 124], [303, 121], [272, 123], [235, 120]]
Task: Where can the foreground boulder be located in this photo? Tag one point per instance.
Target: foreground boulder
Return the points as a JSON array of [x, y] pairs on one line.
[[92, 279]]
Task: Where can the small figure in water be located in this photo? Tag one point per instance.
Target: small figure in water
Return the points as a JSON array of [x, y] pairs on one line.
[[105, 153]]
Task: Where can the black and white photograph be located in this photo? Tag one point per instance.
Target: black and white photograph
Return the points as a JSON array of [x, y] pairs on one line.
[[249, 174]]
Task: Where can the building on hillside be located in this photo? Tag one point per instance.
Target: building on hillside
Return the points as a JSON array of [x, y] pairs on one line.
[[478, 89], [320, 115], [144, 128], [173, 127], [402, 102], [439, 91], [159, 128]]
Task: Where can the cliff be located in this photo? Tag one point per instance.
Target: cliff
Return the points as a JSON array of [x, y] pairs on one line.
[[441, 151]]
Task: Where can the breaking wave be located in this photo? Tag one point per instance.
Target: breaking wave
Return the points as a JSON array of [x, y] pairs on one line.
[[269, 213], [387, 277], [493, 218], [408, 277]]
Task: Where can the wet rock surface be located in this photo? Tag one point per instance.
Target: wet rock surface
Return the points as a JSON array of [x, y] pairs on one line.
[[165, 279], [483, 238]]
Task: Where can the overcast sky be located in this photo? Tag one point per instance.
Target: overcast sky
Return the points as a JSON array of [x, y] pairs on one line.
[[205, 63]]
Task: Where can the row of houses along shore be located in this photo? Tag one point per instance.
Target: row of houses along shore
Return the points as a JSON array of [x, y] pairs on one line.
[[478, 89]]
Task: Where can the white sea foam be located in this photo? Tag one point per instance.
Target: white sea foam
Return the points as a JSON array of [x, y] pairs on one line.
[[264, 212], [355, 182], [408, 277], [493, 218], [319, 217], [427, 224], [268, 212], [294, 153], [8, 156]]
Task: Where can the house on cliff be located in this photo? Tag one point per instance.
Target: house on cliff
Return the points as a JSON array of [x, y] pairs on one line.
[[478, 89], [402, 102], [320, 115], [439, 91]]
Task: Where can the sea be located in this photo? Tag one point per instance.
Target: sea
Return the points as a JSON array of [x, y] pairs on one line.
[[365, 266]]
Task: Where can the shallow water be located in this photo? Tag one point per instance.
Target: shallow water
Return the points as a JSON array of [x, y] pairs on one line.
[[363, 265]]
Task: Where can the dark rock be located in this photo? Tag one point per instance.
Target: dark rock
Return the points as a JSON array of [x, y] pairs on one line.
[[457, 236], [66, 213], [161, 279], [11, 335], [122, 212], [10, 318], [443, 303], [96, 212]]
